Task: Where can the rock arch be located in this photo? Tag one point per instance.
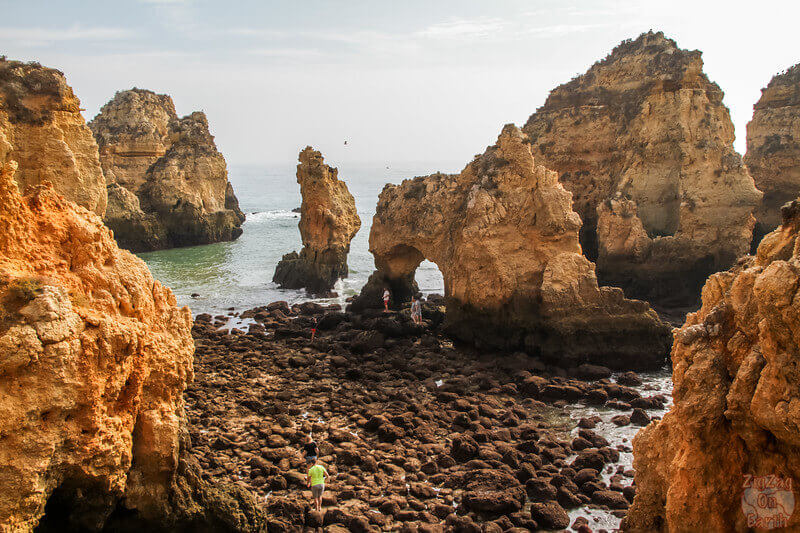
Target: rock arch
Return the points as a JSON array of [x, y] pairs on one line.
[[505, 237]]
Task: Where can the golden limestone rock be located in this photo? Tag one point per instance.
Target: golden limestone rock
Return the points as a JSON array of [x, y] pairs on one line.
[[645, 145], [773, 147], [167, 183], [94, 358], [505, 237], [328, 222], [730, 446], [42, 129]]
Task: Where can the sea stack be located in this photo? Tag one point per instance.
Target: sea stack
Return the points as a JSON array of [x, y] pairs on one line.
[[94, 359], [731, 439], [328, 222], [773, 148], [645, 144], [43, 131], [505, 237], [167, 182]]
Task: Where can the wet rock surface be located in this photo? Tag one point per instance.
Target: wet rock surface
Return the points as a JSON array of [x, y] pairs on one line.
[[417, 434]]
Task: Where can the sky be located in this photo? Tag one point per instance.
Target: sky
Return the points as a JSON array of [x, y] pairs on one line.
[[405, 81]]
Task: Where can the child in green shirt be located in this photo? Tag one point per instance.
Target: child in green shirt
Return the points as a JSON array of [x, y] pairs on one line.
[[316, 480]]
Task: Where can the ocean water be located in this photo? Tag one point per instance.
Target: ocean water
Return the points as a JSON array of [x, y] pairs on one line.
[[238, 274]]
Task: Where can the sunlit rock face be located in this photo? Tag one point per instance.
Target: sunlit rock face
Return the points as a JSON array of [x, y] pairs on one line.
[[46, 135], [737, 389], [645, 144], [94, 359], [171, 167], [328, 222], [505, 237], [773, 148]]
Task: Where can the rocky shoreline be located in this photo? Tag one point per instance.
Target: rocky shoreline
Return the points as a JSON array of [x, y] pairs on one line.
[[420, 435]]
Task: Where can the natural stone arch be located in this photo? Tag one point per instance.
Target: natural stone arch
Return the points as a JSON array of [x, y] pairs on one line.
[[505, 237]]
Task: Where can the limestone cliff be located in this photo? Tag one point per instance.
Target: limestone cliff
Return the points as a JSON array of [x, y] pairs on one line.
[[773, 147], [646, 128], [505, 237], [172, 168], [328, 222], [42, 129], [737, 391], [94, 359]]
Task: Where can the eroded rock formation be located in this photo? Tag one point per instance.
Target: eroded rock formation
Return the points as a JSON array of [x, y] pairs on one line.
[[167, 183], [505, 238], [42, 129], [736, 395], [94, 359], [328, 222], [773, 148], [645, 145]]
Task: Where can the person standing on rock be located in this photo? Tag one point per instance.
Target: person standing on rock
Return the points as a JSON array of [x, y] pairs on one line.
[[386, 295], [416, 310], [310, 450], [317, 475], [313, 330]]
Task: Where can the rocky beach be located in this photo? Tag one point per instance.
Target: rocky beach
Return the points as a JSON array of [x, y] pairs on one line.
[[419, 434]]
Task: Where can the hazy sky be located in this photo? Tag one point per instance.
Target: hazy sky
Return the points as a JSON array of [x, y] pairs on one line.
[[401, 81]]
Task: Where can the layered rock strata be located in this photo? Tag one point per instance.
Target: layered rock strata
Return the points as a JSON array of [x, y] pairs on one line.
[[645, 144], [94, 358], [44, 132], [328, 222], [707, 465], [773, 148], [505, 237], [167, 182]]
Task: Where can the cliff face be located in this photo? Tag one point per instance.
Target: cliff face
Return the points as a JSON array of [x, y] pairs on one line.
[[41, 128], [94, 359], [328, 222], [773, 147], [505, 238], [172, 166], [646, 128], [735, 417]]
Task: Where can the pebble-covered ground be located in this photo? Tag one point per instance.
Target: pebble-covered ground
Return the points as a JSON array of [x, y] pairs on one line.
[[418, 435]]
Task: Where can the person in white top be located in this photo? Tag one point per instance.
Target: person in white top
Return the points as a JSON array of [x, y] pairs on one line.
[[416, 310], [386, 300]]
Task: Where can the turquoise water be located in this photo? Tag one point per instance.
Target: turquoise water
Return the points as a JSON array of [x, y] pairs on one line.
[[239, 274]]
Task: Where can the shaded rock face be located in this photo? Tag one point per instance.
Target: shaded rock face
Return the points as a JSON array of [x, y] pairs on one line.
[[736, 395], [42, 129], [328, 222], [505, 238], [773, 148], [645, 129], [167, 183], [94, 359]]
